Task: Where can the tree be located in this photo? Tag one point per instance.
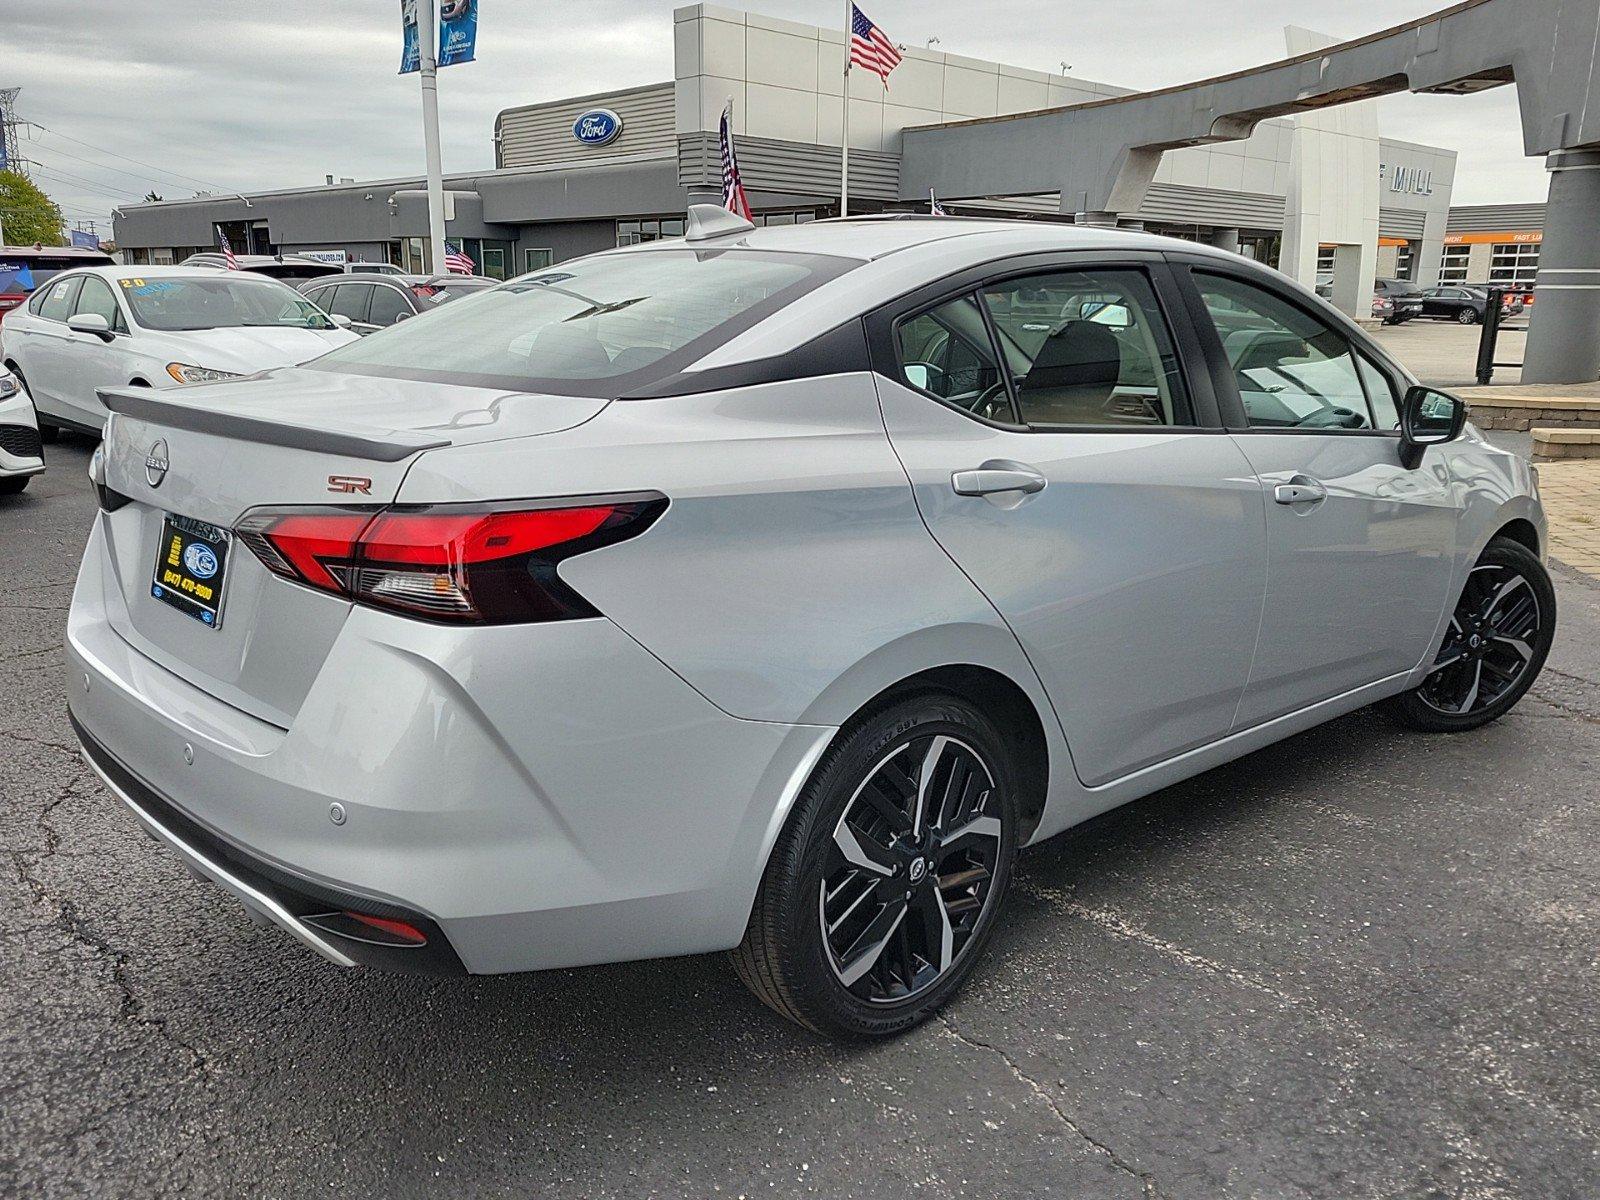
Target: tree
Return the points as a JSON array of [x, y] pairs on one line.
[[27, 213]]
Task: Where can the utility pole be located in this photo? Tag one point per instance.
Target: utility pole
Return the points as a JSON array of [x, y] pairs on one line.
[[10, 151], [428, 55], [844, 125]]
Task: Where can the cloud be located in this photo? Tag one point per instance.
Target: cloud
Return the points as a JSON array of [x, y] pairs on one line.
[[244, 95]]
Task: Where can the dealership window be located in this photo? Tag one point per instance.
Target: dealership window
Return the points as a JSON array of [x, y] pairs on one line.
[[1405, 262], [536, 258], [650, 229], [1325, 258], [1514, 262], [1453, 266]]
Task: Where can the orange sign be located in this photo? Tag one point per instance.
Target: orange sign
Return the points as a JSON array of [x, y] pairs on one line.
[[1501, 237]]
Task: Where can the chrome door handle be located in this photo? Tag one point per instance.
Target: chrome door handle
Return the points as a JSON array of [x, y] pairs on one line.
[[1301, 491], [997, 476]]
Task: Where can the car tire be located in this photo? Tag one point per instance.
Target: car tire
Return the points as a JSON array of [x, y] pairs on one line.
[[11, 485], [1466, 316], [815, 906], [1428, 707]]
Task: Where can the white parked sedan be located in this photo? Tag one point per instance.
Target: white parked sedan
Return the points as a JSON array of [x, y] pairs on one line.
[[154, 327], [21, 456]]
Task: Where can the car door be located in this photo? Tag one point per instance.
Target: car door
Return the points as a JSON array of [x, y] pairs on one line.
[[89, 361], [1086, 489], [45, 359], [1359, 547]]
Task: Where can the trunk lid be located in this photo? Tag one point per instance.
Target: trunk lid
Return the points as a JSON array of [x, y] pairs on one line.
[[292, 437]]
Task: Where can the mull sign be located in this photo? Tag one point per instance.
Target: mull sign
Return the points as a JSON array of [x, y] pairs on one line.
[[597, 127]]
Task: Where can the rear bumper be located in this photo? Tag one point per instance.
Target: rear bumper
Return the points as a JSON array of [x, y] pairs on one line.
[[542, 796], [269, 893]]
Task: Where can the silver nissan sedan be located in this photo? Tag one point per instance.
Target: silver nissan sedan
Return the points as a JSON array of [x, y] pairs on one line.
[[766, 591]]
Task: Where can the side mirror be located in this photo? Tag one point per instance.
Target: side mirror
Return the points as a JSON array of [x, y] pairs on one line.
[[90, 323], [1428, 418], [340, 320]]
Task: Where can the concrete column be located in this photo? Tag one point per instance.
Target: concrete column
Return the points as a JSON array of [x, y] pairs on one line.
[[1564, 337], [1100, 220], [1224, 239]]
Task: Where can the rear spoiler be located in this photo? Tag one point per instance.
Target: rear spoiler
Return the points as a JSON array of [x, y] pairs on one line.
[[143, 404]]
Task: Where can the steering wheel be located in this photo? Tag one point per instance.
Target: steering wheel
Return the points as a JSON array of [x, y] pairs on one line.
[[1332, 418], [994, 404]]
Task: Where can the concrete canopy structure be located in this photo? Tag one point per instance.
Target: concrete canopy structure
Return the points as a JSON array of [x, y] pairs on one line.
[[1102, 156]]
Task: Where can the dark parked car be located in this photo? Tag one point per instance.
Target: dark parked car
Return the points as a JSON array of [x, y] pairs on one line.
[[1405, 300], [373, 302], [1465, 304], [24, 268]]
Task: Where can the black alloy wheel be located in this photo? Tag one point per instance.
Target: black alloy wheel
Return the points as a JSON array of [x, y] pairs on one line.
[[1496, 644], [887, 880]]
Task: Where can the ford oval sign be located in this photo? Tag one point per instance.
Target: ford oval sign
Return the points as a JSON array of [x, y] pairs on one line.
[[597, 127]]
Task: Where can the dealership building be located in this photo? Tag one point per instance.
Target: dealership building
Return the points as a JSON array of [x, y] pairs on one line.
[[584, 174]]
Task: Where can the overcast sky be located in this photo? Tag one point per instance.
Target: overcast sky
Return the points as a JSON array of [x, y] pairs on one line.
[[243, 94]]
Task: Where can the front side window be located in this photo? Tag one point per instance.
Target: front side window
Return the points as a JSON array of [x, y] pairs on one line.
[[604, 325], [947, 353], [1088, 348], [388, 306], [220, 300], [96, 299], [350, 300], [1293, 371]]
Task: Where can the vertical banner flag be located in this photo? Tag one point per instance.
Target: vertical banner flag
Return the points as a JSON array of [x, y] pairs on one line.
[[934, 206], [733, 197], [458, 31], [411, 51]]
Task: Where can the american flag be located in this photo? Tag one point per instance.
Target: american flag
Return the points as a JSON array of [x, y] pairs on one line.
[[733, 197], [227, 251], [457, 262], [870, 47], [934, 206]]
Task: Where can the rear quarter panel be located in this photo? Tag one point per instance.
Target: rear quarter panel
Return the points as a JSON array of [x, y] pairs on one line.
[[791, 578]]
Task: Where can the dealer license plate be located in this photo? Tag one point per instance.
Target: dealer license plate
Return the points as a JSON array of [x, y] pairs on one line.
[[191, 564]]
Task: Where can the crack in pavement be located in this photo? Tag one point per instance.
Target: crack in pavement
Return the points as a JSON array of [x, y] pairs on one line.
[[1146, 1180], [67, 918]]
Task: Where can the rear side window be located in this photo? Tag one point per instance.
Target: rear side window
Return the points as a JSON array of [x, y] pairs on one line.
[[598, 326], [58, 302], [947, 353], [1088, 348], [349, 300]]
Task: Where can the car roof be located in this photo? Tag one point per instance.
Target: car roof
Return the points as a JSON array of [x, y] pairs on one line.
[[150, 272], [83, 252], [868, 238]]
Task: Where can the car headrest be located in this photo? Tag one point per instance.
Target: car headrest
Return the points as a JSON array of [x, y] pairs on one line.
[[1079, 354]]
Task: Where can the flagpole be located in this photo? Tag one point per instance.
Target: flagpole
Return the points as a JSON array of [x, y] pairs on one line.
[[844, 148]]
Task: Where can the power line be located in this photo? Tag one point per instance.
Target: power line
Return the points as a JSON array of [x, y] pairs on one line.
[[109, 191], [102, 167], [84, 186], [126, 158]]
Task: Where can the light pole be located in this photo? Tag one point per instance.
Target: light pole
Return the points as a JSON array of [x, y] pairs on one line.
[[428, 63]]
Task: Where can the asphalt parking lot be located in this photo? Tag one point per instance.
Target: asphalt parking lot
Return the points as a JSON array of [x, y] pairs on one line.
[[1361, 963]]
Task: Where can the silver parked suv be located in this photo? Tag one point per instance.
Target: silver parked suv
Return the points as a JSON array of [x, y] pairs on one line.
[[768, 589]]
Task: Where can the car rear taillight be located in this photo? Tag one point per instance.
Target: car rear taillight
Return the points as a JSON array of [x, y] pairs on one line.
[[492, 564]]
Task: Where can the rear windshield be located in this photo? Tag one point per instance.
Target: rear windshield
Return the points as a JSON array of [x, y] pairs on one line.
[[230, 301], [25, 272], [599, 326]]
